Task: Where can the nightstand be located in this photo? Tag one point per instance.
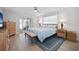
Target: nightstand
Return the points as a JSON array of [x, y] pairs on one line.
[[61, 33]]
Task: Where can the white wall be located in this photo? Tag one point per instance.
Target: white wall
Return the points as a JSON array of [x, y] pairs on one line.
[[72, 19]]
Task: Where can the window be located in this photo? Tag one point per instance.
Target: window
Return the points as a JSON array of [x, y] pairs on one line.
[[50, 20], [20, 21]]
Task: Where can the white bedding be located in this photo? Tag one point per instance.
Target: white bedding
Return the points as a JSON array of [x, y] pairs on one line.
[[43, 33]]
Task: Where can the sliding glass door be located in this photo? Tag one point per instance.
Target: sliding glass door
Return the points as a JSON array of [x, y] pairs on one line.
[[25, 23]]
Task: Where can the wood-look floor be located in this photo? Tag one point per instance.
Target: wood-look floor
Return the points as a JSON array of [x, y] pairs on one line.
[[20, 43]]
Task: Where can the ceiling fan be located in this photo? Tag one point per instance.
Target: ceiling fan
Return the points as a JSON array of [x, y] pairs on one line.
[[37, 11]]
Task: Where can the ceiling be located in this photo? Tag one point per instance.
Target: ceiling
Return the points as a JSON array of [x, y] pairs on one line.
[[30, 10]]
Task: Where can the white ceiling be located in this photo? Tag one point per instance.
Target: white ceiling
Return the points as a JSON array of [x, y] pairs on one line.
[[30, 10]]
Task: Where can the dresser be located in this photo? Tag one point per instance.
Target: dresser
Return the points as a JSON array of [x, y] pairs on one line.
[[71, 35], [11, 27], [3, 40]]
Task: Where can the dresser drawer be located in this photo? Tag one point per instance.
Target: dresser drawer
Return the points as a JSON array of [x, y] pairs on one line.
[[71, 35]]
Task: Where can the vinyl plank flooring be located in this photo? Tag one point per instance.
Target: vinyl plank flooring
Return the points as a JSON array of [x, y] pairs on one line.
[[20, 43], [69, 46]]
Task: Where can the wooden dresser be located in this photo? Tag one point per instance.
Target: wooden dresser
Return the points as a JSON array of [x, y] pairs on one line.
[[3, 40], [8, 29], [11, 27], [71, 35]]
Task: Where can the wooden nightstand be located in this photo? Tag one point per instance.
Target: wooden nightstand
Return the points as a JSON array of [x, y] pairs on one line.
[[61, 33]]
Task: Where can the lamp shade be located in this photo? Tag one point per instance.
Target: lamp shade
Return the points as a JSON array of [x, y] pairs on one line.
[[63, 20]]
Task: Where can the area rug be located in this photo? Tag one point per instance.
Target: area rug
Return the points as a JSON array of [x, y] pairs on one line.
[[50, 44]]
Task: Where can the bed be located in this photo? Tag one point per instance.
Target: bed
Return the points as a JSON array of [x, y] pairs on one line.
[[43, 33]]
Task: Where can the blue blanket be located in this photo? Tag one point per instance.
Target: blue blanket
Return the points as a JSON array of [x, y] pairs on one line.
[[43, 33]]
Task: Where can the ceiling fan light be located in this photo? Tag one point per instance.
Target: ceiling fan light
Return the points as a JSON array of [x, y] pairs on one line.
[[35, 11]]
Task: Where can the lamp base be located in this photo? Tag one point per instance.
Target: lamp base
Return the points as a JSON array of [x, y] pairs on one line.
[[61, 25]]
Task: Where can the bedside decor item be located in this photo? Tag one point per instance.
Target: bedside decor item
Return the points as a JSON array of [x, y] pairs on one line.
[[61, 25], [62, 21]]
